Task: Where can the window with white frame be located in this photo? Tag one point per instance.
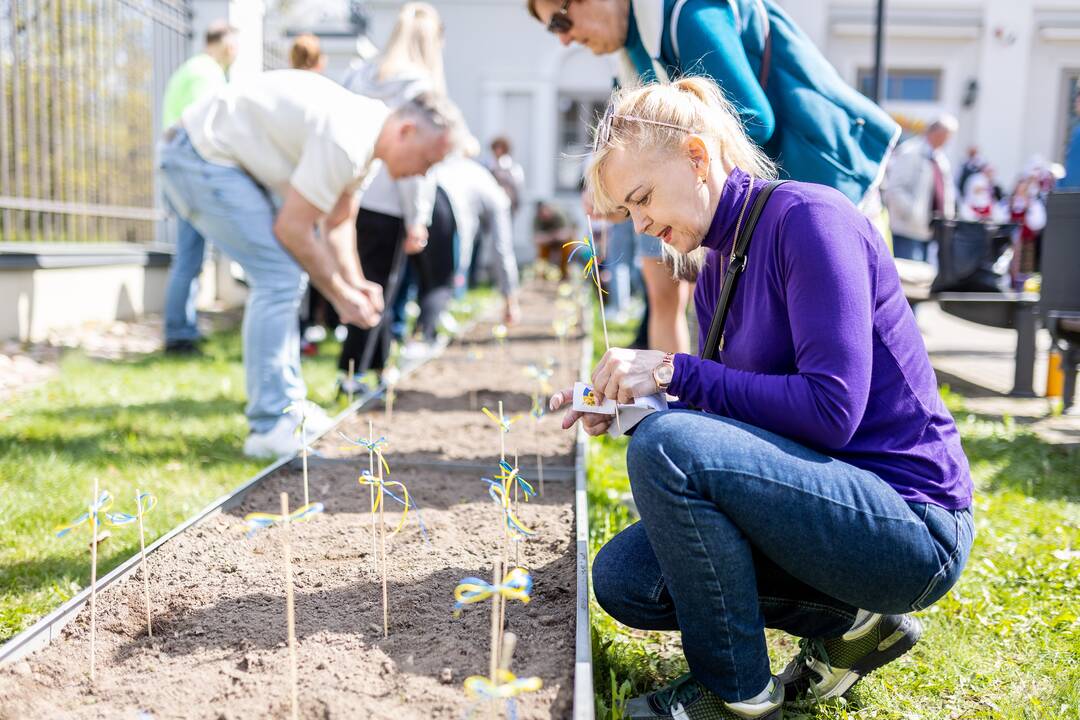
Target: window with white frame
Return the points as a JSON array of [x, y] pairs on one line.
[[577, 116]]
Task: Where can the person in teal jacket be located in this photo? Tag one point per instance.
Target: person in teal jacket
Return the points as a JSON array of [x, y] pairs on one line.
[[793, 103]]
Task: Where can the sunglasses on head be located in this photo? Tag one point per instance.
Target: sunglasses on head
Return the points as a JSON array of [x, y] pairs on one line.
[[560, 22], [603, 130]]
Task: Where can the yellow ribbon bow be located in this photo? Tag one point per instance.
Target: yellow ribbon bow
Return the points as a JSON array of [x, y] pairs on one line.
[[508, 686], [516, 585]]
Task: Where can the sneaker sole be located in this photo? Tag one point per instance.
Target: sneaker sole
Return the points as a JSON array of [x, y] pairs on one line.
[[899, 642]]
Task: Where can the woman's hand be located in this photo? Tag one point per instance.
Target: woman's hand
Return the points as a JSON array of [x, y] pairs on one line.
[[594, 423], [626, 374]]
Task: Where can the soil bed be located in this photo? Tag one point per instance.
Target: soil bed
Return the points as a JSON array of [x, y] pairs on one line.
[[219, 647]]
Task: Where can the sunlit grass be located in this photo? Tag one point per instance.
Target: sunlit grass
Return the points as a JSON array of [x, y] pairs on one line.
[[1005, 643], [171, 426]]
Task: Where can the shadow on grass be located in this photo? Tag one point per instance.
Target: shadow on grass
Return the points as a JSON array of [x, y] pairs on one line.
[[147, 431], [1027, 464]]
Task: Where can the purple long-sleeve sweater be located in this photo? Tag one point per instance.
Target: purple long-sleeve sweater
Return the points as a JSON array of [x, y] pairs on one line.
[[820, 345]]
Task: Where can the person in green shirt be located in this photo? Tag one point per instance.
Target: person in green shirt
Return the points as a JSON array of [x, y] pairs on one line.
[[195, 79]]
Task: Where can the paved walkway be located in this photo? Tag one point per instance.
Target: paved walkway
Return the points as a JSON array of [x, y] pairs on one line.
[[977, 362]]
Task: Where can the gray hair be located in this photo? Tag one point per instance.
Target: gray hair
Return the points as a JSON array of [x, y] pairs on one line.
[[436, 112]]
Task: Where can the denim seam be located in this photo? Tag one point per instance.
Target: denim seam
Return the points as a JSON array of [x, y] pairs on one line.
[[806, 605], [657, 589], [744, 474], [941, 573], [715, 576]]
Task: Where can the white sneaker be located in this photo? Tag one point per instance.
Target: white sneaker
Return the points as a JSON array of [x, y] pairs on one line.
[[318, 421], [280, 441], [417, 350], [283, 439]]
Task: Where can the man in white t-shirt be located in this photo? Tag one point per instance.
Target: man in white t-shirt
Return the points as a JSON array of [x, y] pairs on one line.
[[256, 168]]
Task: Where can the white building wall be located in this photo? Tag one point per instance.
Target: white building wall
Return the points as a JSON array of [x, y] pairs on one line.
[[508, 74], [1019, 52]]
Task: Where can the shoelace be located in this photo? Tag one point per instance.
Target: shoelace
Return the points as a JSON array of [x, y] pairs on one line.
[[813, 649], [680, 691]]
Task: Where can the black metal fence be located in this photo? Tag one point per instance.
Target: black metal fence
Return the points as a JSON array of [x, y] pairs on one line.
[[81, 83]]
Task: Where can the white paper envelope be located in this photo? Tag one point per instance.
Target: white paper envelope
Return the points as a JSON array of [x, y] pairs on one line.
[[585, 401]]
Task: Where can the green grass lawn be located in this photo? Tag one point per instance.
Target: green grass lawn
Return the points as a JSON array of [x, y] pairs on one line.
[[171, 426], [1005, 643]]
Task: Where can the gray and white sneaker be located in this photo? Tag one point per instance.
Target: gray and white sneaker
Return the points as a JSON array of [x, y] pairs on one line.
[[829, 668], [687, 699]]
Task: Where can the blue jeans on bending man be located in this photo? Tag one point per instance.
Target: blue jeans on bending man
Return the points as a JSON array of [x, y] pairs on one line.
[[183, 287], [234, 212]]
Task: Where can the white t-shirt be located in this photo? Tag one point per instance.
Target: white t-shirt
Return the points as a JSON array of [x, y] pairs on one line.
[[290, 127]]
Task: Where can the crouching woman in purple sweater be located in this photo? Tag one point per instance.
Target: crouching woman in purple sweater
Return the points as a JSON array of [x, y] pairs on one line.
[[821, 488]]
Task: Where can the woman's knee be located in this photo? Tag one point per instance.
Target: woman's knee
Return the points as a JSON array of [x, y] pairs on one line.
[[626, 578]]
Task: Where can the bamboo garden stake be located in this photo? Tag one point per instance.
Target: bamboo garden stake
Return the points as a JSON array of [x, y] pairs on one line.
[[99, 503], [290, 617], [502, 434], [303, 450], [382, 552], [93, 585], [352, 375], [371, 488], [592, 269], [496, 617], [142, 564]]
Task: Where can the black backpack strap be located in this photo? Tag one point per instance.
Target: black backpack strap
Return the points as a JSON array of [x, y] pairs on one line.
[[738, 263]]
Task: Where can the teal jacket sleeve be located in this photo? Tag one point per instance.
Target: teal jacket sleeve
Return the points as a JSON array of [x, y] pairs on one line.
[[710, 44]]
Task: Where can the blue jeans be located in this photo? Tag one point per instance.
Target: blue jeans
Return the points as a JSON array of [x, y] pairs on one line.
[[235, 213], [183, 287], [742, 529], [620, 263], [909, 249]]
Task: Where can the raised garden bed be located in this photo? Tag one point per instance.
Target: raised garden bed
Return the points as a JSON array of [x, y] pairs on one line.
[[219, 646]]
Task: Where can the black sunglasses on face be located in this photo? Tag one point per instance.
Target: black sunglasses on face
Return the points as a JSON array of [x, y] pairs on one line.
[[560, 22]]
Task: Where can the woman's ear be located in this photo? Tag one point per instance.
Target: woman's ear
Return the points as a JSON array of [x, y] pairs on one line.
[[698, 153]]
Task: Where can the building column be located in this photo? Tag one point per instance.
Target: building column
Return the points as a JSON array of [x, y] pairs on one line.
[[1005, 56], [246, 16]]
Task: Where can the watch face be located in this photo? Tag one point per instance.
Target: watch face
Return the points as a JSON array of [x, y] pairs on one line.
[[664, 373]]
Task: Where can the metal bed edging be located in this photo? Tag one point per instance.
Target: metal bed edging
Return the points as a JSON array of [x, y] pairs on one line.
[[584, 700], [48, 628]]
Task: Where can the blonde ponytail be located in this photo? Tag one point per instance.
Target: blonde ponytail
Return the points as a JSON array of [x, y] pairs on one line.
[[658, 116], [415, 46]]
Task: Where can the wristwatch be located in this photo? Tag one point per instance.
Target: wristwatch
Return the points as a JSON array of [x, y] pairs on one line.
[[663, 372]]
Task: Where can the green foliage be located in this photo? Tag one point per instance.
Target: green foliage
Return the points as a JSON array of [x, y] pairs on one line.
[[1005, 643]]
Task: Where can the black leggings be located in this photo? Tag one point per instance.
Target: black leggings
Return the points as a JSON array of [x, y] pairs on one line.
[[434, 268], [378, 238], [379, 241]]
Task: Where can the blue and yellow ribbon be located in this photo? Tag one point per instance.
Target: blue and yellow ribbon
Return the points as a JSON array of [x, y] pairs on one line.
[[146, 502], [259, 520], [506, 687], [516, 585], [499, 495], [511, 474], [368, 480], [541, 375], [96, 508], [504, 422], [537, 410], [374, 446], [592, 265]]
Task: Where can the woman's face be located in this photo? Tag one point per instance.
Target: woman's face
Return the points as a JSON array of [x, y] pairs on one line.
[[671, 195], [600, 25]]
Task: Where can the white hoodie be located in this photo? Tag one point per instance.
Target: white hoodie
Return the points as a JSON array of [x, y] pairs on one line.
[[412, 198]]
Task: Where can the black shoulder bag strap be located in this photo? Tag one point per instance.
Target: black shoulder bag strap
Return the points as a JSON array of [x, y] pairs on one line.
[[734, 270]]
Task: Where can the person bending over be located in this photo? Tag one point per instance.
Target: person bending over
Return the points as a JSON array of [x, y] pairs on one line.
[[820, 488], [294, 139]]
